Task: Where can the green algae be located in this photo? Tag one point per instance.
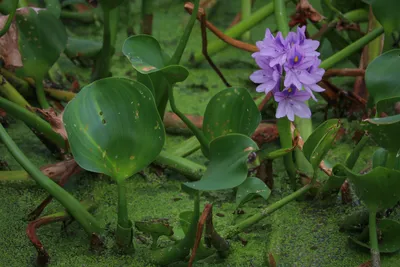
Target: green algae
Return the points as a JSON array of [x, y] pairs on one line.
[[303, 233]]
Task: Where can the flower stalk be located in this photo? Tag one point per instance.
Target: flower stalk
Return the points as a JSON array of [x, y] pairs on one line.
[[373, 240], [124, 232]]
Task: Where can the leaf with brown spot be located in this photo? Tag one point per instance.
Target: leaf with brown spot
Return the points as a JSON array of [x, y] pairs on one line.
[[59, 168], [304, 11], [56, 121]]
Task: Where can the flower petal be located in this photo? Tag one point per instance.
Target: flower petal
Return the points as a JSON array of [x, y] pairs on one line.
[[281, 110], [301, 109]]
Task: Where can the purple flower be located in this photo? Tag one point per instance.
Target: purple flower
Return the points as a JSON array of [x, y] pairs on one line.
[[297, 67], [274, 48], [291, 103], [317, 73], [268, 78]]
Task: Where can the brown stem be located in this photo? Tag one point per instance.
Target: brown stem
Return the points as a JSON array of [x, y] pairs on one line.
[[344, 72], [64, 178], [204, 44], [229, 40], [199, 233], [43, 256], [212, 238], [265, 101], [147, 24]]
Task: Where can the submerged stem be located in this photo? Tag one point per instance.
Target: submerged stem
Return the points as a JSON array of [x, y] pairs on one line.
[[373, 240]]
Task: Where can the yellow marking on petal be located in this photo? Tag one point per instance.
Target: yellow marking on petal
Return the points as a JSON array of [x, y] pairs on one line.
[[290, 89], [296, 59]]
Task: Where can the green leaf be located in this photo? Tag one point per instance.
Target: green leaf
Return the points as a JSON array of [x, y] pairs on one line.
[[231, 111], [386, 12], [114, 128], [42, 38], [384, 131], [110, 4], [82, 48], [185, 219], [6, 6], [249, 189], [389, 232], [382, 78], [54, 7], [320, 142], [228, 163], [378, 189], [379, 158]]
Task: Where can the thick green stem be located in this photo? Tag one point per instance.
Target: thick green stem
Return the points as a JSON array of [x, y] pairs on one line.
[[20, 84], [9, 92], [236, 229], [88, 222], [186, 148], [176, 58], [33, 121], [373, 240], [147, 17], [124, 232], [14, 176], [246, 13], [102, 66], [123, 218], [60, 95], [41, 96], [196, 131], [10, 18], [349, 50], [236, 31], [355, 154], [190, 169], [281, 16], [285, 137]]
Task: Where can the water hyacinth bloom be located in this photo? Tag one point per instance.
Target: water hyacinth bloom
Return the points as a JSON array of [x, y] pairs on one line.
[[295, 60], [291, 102]]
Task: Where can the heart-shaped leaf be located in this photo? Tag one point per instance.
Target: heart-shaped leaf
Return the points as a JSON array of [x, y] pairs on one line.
[[385, 131], [249, 189], [147, 58], [231, 111], [42, 38], [382, 78], [228, 163], [114, 128], [389, 233], [320, 142], [378, 189], [386, 12]]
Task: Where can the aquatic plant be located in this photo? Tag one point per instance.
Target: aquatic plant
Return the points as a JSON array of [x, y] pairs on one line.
[[116, 126]]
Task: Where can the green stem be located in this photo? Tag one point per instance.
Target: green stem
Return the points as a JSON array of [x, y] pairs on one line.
[[373, 240], [349, 50], [285, 137], [60, 95], [41, 96], [10, 18], [176, 58], [85, 17], [20, 84], [23, 3], [190, 169], [281, 17], [14, 176], [102, 66], [236, 229], [147, 17], [33, 121], [186, 148], [355, 154], [88, 222], [123, 218], [235, 32], [375, 47], [9, 92], [246, 13], [197, 132]]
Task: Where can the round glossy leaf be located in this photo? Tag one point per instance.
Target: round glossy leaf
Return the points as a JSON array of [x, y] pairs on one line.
[[250, 188], [389, 233], [231, 111], [114, 128], [320, 142], [385, 131], [386, 12], [378, 189], [228, 163], [382, 78], [42, 38]]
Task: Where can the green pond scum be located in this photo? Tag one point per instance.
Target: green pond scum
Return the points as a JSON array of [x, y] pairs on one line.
[[128, 64]]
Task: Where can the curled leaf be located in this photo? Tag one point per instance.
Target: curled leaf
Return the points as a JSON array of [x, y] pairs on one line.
[[304, 11], [9, 51]]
